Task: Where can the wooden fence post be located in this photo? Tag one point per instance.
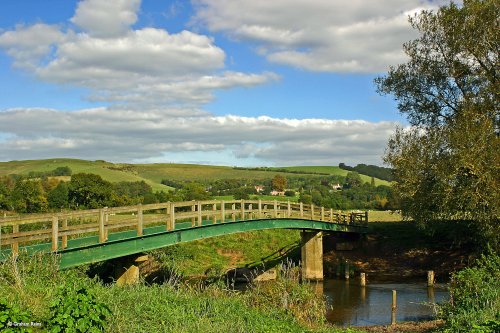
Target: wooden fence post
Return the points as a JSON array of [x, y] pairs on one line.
[[65, 237], [260, 208], [214, 212], [242, 207], [200, 218], [301, 209], [322, 213], [172, 217], [331, 214], [233, 215], [250, 212], [15, 245], [222, 211], [275, 209], [102, 235], [312, 211], [193, 220], [140, 220], [55, 232], [289, 209]]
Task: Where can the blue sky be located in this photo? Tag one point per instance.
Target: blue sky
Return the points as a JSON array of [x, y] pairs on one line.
[[208, 81]]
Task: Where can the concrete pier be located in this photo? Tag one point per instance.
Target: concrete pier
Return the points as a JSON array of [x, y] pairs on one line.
[[312, 255]]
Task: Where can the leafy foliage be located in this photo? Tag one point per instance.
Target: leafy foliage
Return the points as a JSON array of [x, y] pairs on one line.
[[77, 310], [447, 166], [12, 314], [370, 170], [279, 183], [89, 191], [475, 298]]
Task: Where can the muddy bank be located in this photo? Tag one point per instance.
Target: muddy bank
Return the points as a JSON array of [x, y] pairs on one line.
[[394, 251], [407, 327]]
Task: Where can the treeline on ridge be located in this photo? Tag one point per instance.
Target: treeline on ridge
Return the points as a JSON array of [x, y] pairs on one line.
[[370, 170]]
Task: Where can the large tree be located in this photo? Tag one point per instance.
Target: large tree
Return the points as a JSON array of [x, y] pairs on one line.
[[447, 165]]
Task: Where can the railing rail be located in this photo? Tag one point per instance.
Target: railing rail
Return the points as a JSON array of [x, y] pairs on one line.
[[57, 227]]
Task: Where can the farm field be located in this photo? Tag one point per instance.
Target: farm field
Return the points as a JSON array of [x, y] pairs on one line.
[[153, 174]]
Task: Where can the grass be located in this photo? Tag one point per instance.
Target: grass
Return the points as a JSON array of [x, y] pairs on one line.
[[29, 284], [384, 216], [153, 174], [336, 171]]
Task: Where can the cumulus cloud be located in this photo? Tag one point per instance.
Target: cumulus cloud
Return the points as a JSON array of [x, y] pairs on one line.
[[119, 64], [133, 135], [318, 35]]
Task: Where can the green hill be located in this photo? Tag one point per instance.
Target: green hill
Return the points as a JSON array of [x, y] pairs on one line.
[[334, 170], [153, 174]]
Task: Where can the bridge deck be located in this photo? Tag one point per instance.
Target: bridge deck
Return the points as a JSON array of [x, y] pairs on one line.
[[100, 234]]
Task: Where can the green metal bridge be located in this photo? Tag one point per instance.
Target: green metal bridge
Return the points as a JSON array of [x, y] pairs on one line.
[[89, 236]]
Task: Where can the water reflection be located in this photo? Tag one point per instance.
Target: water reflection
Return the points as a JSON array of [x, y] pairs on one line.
[[353, 305]]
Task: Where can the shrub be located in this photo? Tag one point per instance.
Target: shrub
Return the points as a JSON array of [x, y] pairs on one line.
[[474, 304], [77, 310], [11, 314]]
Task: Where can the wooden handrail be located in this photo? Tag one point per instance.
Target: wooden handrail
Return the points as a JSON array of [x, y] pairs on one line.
[[102, 220]]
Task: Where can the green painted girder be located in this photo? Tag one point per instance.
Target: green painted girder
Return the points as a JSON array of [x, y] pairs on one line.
[[72, 257]]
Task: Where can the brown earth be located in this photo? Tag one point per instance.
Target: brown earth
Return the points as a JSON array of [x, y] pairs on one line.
[[395, 251], [407, 327]]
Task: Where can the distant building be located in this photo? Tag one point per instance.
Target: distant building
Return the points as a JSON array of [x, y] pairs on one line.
[[278, 193], [259, 188], [336, 186]]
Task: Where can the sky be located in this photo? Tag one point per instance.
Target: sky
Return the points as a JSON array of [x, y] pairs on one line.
[[221, 82]]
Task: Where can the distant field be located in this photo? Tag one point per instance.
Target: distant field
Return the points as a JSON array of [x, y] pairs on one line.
[[384, 216], [153, 174], [334, 170]]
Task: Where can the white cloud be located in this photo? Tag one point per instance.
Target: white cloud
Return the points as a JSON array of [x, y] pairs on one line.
[[147, 66], [318, 35], [152, 134], [106, 18]]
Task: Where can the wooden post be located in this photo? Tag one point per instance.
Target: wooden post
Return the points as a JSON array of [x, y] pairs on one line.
[[301, 209], [366, 217], [65, 237], [140, 220], [214, 212], [15, 245], [275, 209], [260, 208], [200, 218], [102, 235], [171, 225], [233, 215], [222, 211], [346, 272], [55, 232], [322, 213], [193, 220], [289, 209], [312, 211], [331, 214], [167, 212], [106, 219], [250, 212], [362, 279], [393, 308], [430, 278], [242, 207]]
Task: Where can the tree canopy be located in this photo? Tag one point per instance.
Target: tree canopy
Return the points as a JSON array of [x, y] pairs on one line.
[[447, 165]]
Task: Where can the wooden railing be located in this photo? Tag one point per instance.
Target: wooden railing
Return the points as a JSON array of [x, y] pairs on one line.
[[57, 228]]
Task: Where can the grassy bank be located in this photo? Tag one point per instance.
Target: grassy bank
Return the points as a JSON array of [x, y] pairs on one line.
[[36, 292]]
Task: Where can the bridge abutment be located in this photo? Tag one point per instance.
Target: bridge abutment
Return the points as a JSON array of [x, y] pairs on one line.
[[127, 271], [312, 255]]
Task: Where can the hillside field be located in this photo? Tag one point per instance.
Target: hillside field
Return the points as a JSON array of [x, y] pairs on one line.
[[153, 174]]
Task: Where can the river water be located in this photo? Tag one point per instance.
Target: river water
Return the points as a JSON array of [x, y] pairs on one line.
[[353, 305]]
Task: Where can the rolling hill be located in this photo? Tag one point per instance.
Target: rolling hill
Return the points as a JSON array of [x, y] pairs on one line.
[[154, 173]]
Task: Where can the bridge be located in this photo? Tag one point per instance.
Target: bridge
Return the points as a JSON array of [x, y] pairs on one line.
[[89, 236]]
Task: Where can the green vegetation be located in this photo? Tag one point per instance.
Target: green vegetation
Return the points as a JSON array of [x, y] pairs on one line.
[[370, 170], [29, 286], [447, 166], [475, 298]]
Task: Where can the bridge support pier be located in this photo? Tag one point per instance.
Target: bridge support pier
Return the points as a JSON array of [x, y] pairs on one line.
[[312, 255], [127, 270]]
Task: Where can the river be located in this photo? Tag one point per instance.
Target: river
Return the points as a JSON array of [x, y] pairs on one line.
[[352, 305]]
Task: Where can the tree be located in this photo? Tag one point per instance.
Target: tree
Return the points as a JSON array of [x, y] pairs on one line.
[[58, 197], [353, 179], [194, 191], [28, 196], [279, 183], [88, 190], [447, 166]]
